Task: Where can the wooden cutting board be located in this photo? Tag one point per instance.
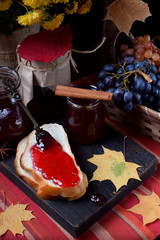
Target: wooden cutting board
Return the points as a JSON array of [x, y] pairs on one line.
[[79, 215]]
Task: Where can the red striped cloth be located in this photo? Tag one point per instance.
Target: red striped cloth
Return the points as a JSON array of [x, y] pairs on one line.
[[116, 224]]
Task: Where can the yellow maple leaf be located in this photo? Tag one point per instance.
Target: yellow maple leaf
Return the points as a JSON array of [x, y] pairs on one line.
[[112, 166], [148, 207], [123, 13], [12, 219]]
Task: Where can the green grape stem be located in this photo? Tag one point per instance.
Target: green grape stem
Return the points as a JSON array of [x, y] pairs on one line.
[[128, 74], [145, 76]]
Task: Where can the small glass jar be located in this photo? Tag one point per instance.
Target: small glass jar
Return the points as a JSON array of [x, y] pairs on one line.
[[13, 120], [84, 118]]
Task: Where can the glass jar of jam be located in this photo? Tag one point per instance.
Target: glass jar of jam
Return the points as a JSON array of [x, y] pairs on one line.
[[13, 120], [84, 118]]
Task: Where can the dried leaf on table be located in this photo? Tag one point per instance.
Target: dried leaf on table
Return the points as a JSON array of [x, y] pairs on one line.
[[112, 166], [148, 207], [12, 219], [123, 13]]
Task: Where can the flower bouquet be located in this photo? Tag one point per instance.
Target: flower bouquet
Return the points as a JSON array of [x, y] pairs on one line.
[[50, 13], [20, 18]]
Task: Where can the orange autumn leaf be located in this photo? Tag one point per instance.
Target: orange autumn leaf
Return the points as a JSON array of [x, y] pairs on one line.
[[112, 166], [123, 13], [12, 219], [148, 207]]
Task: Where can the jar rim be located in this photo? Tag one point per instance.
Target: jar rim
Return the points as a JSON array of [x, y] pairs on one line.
[[76, 102], [10, 73]]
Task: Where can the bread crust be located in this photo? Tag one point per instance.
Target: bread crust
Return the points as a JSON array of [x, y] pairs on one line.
[[47, 189], [21, 172]]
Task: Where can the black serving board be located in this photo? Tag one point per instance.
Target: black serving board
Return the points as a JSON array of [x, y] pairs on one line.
[[79, 215]]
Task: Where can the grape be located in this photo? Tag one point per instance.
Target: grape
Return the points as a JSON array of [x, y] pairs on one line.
[[120, 70], [155, 56], [158, 76], [129, 67], [118, 96], [129, 51], [108, 81], [146, 63], [110, 89], [153, 77], [137, 98], [155, 49], [128, 96], [139, 65], [100, 85], [139, 85], [109, 67], [148, 53], [139, 55], [129, 86], [134, 80], [145, 99], [148, 99], [101, 75], [142, 48], [158, 84], [153, 69], [139, 45], [127, 107], [148, 45], [118, 84], [148, 87], [151, 99], [123, 47], [129, 59], [146, 38], [155, 91]]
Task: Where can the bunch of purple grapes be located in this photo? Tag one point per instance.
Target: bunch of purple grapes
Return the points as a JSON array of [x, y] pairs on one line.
[[130, 87]]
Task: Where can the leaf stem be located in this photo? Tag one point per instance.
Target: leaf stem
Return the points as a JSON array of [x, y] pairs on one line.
[[124, 147], [23, 6]]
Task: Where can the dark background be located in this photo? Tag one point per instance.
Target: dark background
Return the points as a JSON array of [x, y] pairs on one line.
[[152, 23], [89, 29]]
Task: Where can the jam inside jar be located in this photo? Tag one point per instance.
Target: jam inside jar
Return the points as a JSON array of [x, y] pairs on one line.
[[14, 122], [84, 118]]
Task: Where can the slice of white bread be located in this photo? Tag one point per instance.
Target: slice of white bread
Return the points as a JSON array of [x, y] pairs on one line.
[[26, 176], [21, 172], [46, 188]]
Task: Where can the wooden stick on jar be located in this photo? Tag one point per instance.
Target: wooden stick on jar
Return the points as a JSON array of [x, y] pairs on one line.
[[74, 92]]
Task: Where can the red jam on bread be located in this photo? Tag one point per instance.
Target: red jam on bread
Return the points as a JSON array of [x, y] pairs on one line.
[[55, 164]]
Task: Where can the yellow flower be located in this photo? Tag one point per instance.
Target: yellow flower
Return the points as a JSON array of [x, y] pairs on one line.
[[31, 18], [72, 8], [54, 23], [55, 1], [36, 3], [5, 4], [60, 1], [64, 1], [84, 8]]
